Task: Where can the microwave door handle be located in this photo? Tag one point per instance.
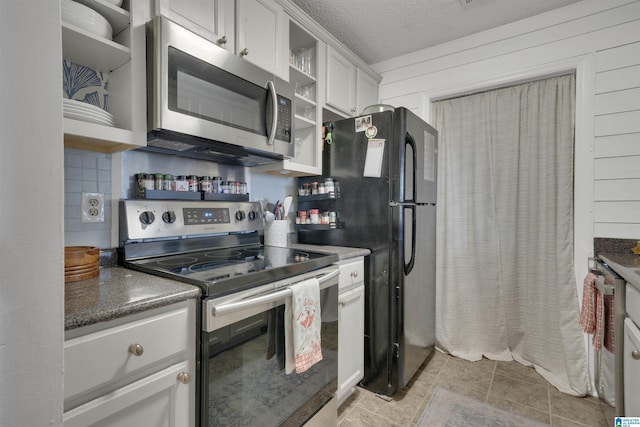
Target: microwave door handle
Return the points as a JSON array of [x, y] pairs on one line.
[[274, 105]]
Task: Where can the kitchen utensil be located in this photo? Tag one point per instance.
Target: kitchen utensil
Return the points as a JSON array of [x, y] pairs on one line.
[[276, 208], [270, 207], [269, 216], [287, 206]]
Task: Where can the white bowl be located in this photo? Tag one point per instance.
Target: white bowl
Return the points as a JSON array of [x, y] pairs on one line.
[[117, 3], [86, 18]]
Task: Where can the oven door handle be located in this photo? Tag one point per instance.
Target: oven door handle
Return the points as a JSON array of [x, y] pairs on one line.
[[230, 307]]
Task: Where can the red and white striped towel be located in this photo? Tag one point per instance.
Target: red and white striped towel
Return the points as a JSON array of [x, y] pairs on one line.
[[303, 326], [597, 315]]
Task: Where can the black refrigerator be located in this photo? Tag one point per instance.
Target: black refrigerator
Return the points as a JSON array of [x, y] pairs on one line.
[[385, 169]]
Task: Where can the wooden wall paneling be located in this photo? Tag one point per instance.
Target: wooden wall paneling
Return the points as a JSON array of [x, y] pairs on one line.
[[627, 144]]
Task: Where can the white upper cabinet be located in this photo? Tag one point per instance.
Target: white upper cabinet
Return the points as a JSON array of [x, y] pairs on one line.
[[341, 82], [262, 35], [349, 88], [211, 19], [366, 91]]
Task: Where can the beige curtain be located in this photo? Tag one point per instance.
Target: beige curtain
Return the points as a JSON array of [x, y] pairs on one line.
[[505, 280]]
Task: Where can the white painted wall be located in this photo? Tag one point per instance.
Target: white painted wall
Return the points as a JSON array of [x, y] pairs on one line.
[[31, 214]]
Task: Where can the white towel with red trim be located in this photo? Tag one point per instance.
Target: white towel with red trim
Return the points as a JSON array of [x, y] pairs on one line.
[[597, 314], [302, 327]]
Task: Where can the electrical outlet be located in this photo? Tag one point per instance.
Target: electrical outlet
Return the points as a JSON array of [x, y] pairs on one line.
[[92, 207]]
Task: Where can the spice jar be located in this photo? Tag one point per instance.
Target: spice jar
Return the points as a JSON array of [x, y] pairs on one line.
[[167, 182], [314, 214], [205, 184], [330, 187], [216, 183], [314, 187], [181, 183], [325, 217]]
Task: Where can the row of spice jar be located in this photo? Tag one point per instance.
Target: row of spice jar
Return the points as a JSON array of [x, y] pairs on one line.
[[206, 184], [314, 216], [329, 186]]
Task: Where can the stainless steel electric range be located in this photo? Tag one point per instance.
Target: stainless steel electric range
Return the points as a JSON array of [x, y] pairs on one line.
[[245, 287]]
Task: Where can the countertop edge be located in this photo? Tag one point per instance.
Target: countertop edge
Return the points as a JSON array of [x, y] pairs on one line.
[[625, 265]]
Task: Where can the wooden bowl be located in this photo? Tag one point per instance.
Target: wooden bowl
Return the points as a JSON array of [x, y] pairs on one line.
[[81, 263]]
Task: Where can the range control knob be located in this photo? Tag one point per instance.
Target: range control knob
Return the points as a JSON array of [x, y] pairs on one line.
[[240, 215], [147, 217], [169, 217], [252, 215]]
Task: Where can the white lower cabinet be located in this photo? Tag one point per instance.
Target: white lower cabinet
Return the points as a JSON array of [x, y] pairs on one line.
[[160, 399], [351, 327], [136, 370]]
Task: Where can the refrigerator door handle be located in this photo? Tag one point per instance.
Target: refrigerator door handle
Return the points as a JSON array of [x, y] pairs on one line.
[[408, 266], [410, 141]]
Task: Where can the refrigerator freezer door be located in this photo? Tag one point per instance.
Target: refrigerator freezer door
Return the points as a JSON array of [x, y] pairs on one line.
[[417, 159], [416, 299]]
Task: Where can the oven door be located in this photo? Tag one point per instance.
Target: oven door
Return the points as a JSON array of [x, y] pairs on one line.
[[243, 379], [197, 88]]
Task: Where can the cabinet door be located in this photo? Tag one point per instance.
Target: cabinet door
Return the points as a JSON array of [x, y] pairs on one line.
[[207, 18], [263, 35], [341, 78], [366, 91], [631, 368], [350, 341], [161, 399]]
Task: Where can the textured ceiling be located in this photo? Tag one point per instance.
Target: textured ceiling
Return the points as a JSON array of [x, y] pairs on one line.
[[377, 30]]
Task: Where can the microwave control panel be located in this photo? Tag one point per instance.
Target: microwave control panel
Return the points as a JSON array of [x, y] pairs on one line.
[[283, 128]]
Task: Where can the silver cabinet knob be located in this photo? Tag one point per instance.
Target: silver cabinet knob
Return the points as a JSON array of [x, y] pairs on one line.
[[184, 377], [136, 349], [635, 354], [222, 40], [244, 52], [354, 274], [341, 302], [353, 110]]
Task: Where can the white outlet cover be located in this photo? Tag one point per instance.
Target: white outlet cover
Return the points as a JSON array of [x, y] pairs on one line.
[[92, 207]]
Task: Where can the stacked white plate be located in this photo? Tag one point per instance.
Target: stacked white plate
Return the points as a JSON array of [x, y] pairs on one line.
[[86, 18], [79, 110]]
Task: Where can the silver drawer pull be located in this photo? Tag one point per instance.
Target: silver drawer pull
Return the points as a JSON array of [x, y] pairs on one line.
[[184, 378], [136, 349], [354, 274], [635, 354]]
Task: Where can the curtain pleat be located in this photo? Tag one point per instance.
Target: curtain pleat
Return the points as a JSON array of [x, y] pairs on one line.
[[505, 280]]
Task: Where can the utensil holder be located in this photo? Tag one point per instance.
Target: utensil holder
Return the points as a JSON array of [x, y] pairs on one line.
[[276, 232]]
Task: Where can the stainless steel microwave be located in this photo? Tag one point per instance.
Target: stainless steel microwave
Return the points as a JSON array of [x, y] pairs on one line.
[[205, 102]]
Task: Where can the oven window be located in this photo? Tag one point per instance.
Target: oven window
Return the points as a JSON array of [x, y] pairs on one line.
[[205, 91], [247, 383]]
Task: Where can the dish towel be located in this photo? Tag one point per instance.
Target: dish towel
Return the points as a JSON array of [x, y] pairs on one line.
[[302, 327], [597, 314]]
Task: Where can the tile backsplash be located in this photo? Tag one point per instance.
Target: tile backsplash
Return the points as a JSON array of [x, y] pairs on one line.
[[86, 172]]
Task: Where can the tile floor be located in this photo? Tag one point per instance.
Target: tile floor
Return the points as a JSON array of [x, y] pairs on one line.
[[508, 385]]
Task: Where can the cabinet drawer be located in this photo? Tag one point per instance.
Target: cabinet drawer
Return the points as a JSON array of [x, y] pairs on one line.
[[632, 298], [351, 274], [92, 361]]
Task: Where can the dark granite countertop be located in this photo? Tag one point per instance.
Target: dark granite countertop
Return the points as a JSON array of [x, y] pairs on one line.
[[626, 265], [118, 292], [343, 252]]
